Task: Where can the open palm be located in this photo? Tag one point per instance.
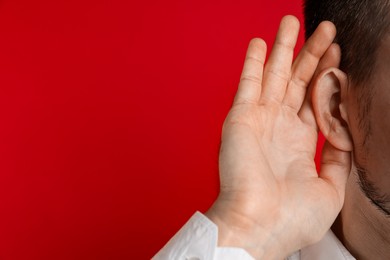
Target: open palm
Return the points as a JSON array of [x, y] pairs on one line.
[[269, 183]]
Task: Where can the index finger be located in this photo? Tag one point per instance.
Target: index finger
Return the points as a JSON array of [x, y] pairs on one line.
[[330, 59], [306, 64]]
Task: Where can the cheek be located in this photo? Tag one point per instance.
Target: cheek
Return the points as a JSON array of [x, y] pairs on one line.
[[378, 156], [371, 138], [374, 155], [358, 133]]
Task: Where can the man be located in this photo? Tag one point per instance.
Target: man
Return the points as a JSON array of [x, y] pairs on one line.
[[363, 34], [272, 202]]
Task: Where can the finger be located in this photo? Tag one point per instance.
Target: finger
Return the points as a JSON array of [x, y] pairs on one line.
[[249, 88], [330, 59], [306, 63], [335, 169], [278, 68]]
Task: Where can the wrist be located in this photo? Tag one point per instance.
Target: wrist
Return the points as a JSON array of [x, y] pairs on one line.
[[261, 240]]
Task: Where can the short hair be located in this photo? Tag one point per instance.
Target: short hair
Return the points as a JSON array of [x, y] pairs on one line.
[[361, 27]]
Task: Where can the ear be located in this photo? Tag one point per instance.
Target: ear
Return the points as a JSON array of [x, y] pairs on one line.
[[329, 104]]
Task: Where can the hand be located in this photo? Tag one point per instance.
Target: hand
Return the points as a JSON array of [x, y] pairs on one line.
[[272, 200]]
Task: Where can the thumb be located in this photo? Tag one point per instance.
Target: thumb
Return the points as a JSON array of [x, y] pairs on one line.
[[335, 168]]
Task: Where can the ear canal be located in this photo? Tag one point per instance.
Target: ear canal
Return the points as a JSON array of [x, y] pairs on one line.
[[330, 108]]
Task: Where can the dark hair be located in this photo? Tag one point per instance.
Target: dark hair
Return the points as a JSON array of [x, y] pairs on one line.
[[361, 26]]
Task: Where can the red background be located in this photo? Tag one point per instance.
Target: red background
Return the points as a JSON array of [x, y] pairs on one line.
[[111, 113]]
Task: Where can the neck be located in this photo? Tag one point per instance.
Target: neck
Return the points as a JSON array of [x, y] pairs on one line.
[[363, 229]]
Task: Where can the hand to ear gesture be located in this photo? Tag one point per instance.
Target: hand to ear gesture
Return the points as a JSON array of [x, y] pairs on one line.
[[272, 200]]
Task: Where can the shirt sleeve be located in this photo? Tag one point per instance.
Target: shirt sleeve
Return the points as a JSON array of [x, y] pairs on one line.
[[198, 239]]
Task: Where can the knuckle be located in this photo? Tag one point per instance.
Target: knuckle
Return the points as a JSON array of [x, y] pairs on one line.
[[238, 100], [284, 44], [280, 74], [299, 82], [255, 59], [251, 78], [313, 52], [289, 106]]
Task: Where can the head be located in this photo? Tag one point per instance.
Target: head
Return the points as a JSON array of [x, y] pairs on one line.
[[359, 100]]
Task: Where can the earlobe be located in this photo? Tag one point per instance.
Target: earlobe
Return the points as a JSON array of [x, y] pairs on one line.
[[329, 104]]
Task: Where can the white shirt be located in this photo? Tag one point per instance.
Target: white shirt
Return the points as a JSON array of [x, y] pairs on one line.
[[198, 238]]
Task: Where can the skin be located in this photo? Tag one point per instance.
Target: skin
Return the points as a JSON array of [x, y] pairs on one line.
[[362, 227], [272, 201]]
